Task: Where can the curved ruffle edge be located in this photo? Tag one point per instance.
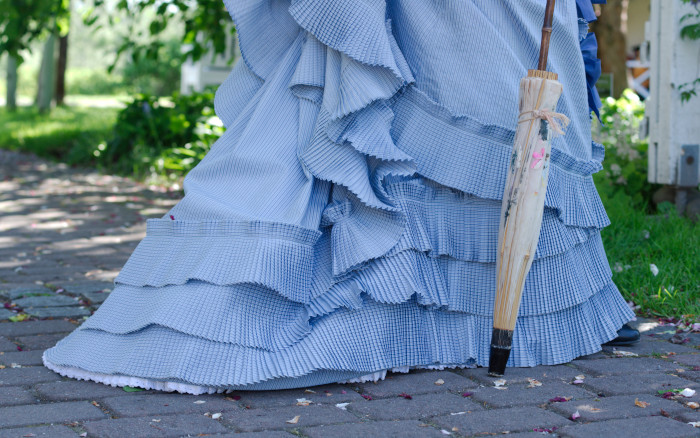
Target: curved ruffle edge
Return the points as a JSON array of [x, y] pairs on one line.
[[452, 235], [369, 140], [373, 124], [343, 345], [254, 316]]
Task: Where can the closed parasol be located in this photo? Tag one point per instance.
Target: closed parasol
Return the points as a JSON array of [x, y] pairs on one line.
[[524, 195]]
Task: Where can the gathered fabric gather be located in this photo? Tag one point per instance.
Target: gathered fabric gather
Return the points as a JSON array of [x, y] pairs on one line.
[[346, 222]]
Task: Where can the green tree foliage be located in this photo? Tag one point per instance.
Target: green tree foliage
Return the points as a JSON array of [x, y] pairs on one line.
[[202, 23], [23, 21]]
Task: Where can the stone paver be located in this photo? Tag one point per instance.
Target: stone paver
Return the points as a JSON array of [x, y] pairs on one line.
[[691, 360], [520, 395], [632, 428], [28, 328], [58, 312], [26, 376], [49, 413], [520, 375], [419, 406], [40, 342], [388, 429], [327, 394], [14, 395], [24, 358], [502, 420], [617, 407], [262, 434], [621, 366], [416, 382], [43, 301], [95, 291], [635, 384], [40, 431], [251, 420], [77, 390], [158, 426], [138, 404], [24, 291], [64, 235], [652, 347], [6, 345]]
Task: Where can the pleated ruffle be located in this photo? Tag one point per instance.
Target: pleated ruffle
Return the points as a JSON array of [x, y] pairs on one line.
[[366, 240], [224, 252], [374, 123], [343, 345]]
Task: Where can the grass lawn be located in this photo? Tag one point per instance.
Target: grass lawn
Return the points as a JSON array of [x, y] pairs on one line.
[[67, 134], [636, 240]]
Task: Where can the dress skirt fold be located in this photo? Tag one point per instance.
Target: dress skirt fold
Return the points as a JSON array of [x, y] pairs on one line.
[[345, 225]]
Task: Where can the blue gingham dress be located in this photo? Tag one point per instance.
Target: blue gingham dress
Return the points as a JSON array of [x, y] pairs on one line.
[[346, 222]]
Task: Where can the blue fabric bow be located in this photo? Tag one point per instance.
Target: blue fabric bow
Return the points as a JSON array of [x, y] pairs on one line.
[[589, 50]]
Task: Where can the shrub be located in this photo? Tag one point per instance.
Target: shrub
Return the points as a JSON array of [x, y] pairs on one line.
[[625, 165], [161, 140]]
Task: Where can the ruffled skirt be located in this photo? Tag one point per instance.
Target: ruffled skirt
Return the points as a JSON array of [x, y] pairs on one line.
[[346, 222]]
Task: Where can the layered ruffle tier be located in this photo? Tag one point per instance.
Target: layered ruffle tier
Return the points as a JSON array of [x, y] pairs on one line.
[[346, 223]]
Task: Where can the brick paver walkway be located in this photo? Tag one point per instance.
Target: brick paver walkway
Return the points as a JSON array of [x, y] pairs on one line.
[[64, 235]]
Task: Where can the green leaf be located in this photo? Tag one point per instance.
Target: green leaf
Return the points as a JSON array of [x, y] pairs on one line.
[[132, 389]]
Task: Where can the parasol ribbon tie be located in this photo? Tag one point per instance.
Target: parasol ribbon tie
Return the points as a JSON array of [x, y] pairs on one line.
[[557, 121]]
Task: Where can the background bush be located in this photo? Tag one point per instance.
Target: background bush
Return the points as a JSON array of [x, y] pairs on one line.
[[159, 139], [625, 165]]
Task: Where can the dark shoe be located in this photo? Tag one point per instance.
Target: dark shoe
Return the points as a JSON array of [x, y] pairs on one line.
[[625, 336]]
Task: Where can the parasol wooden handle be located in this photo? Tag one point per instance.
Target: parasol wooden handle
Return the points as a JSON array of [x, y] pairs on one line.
[[546, 34]]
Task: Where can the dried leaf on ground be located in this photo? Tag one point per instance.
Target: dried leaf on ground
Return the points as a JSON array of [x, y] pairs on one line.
[[534, 383], [294, 420], [641, 404], [303, 402], [621, 353]]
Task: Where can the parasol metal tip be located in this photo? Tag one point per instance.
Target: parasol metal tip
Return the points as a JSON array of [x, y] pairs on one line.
[[501, 341], [542, 74]]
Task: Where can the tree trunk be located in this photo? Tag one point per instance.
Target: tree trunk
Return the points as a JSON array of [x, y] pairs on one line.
[[11, 101], [612, 43], [46, 76], [61, 69]]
